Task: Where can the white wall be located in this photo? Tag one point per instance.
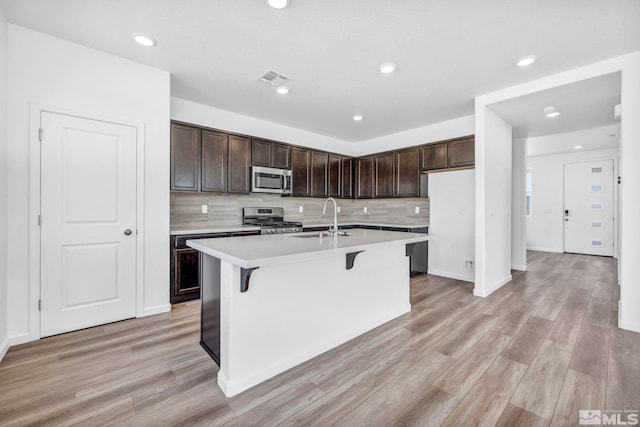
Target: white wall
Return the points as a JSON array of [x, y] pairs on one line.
[[49, 72], [204, 115], [545, 226], [493, 201], [436, 132], [452, 222], [4, 336], [518, 205], [629, 315]]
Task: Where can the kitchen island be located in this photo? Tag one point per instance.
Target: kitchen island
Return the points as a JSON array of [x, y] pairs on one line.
[[271, 302]]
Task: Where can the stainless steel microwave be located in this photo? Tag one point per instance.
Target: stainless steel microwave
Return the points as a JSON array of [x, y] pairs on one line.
[[270, 180]]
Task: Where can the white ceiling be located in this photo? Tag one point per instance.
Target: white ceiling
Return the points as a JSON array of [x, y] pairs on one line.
[[582, 105], [447, 52], [600, 138]]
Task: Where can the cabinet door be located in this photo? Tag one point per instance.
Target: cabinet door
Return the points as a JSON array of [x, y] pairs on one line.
[[408, 173], [238, 178], [462, 152], [214, 161], [347, 178], [319, 174], [185, 158], [300, 168], [364, 178], [434, 156], [383, 164], [335, 175], [281, 156], [260, 153]]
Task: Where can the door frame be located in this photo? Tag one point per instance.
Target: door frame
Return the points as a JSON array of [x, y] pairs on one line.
[[34, 206], [616, 221]]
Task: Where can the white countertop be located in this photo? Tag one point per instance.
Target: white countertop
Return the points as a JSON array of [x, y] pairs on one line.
[[257, 251], [233, 228]]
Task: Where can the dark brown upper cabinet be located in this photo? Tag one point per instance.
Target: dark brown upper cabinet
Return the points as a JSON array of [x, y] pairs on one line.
[[260, 153], [300, 171], [364, 178], [215, 146], [407, 173], [319, 174], [239, 163], [347, 178], [434, 156], [462, 152], [281, 156], [384, 176], [335, 175], [270, 154], [185, 158]]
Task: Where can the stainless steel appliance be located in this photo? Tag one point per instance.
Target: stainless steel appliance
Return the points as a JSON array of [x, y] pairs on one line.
[[270, 180], [270, 220]]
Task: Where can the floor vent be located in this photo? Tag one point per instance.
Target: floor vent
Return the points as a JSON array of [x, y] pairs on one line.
[[273, 78]]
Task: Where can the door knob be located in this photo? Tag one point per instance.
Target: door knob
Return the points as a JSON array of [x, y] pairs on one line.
[[127, 232]]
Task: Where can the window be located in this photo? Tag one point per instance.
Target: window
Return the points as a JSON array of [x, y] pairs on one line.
[[528, 195]]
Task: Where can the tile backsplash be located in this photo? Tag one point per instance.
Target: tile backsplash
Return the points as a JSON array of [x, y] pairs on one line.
[[226, 209]]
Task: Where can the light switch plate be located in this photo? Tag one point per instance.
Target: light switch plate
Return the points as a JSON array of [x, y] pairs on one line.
[[365, 209], [300, 209], [205, 208], [338, 209], [417, 209]]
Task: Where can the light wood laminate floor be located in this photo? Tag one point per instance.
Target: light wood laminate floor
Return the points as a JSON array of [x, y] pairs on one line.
[[533, 353]]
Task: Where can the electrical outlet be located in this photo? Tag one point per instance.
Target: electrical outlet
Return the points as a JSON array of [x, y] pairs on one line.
[[300, 209], [365, 209], [417, 209], [205, 208], [338, 209], [468, 264]]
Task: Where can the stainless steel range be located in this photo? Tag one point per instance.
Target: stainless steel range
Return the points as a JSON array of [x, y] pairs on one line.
[[270, 220]]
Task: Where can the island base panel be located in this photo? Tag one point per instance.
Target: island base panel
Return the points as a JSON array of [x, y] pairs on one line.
[[294, 312], [210, 307]]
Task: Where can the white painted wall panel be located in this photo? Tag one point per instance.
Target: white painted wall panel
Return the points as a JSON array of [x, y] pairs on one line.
[[452, 222], [4, 342], [518, 205]]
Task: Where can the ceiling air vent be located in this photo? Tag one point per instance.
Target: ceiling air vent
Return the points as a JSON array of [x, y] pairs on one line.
[[273, 78]]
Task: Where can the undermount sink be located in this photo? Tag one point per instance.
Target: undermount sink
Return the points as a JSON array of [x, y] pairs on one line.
[[318, 234]]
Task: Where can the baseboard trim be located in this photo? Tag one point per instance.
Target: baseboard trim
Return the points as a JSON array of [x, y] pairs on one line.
[[552, 250], [491, 290], [629, 326], [231, 388], [451, 275], [157, 309], [20, 339], [4, 347], [519, 267]]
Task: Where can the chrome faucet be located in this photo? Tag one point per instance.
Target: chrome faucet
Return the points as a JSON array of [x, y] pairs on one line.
[[333, 228]]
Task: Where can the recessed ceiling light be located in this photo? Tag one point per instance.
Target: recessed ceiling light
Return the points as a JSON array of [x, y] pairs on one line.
[[278, 4], [358, 117], [577, 147], [387, 68], [551, 111], [527, 60], [282, 90], [143, 40]]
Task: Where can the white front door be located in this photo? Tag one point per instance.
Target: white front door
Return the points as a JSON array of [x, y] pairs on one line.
[[88, 231], [588, 204]]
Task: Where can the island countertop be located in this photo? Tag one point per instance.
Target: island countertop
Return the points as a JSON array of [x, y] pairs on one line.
[[263, 250]]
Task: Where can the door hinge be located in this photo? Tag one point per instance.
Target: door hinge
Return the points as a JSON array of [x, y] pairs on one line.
[[39, 305], [40, 134], [39, 220]]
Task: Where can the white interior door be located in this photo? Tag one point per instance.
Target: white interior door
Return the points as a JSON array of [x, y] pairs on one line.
[[88, 230], [588, 204]]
